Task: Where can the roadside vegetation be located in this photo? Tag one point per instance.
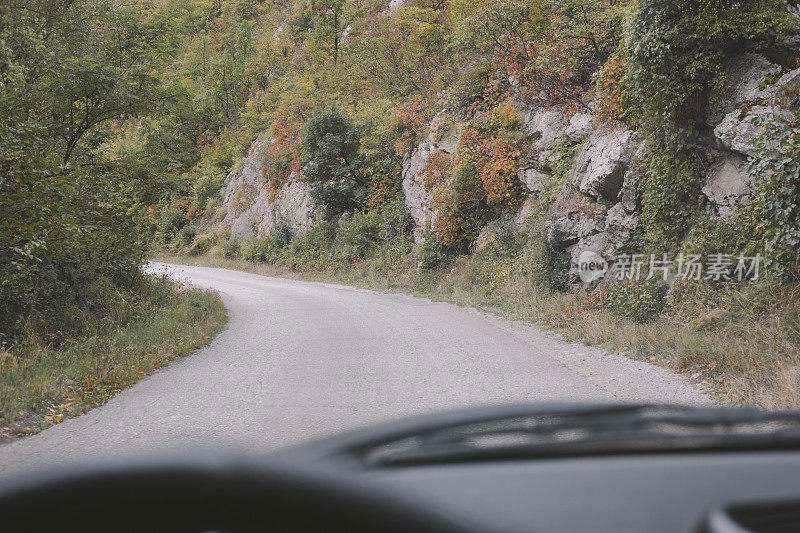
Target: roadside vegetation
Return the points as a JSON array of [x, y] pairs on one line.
[[79, 321], [122, 338]]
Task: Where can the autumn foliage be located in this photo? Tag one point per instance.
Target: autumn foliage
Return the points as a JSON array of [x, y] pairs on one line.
[[481, 175], [283, 155], [609, 91], [408, 124]]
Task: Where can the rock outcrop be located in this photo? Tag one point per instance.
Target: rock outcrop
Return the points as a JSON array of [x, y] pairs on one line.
[[598, 206], [418, 200], [600, 167], [250, 211], [728, 184]]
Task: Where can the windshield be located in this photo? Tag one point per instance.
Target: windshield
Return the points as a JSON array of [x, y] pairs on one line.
[[245, 224]]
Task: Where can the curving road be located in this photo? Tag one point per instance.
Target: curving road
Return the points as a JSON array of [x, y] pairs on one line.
[[300, 360]]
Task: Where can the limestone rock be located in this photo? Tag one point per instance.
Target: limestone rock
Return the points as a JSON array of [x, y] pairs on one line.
[[535, 180], [739, 130], [249, 210], [522, 216], [488, 236], [418, 200], [620, 226], [600, 168], [790, 80], [728, 184], [580, 126], [545, 123], [747, 75], [562, 233]]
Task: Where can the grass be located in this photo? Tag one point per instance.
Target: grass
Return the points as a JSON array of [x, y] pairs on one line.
[[133, 334], [742, 342]]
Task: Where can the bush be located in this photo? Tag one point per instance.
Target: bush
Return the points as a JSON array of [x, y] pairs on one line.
[[639, 300], [172, 222], [56, 241], [202, 244], [396, 224], [775, 169], [205, 189], [312, 249], [186, 235], [671, 190], [677, 50], [360, 234], [269, 249], [231, 249], [555, 267], [432, 254]]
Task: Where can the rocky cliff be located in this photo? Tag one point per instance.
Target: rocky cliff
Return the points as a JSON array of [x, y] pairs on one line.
[[249, 208], [597, 207], [597, 204]]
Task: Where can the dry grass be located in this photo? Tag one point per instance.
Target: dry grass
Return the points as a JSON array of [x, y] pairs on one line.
[[743, 343], [41, 385]]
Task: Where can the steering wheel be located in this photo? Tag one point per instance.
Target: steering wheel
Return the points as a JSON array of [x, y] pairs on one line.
[[196, 495]]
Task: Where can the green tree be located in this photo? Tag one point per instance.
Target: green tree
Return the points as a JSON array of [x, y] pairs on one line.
[[332, 163]]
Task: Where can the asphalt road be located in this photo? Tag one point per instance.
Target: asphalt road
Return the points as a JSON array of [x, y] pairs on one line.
[[301, 360]]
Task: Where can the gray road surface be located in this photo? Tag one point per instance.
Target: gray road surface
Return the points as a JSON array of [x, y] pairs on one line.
[[301, 360]]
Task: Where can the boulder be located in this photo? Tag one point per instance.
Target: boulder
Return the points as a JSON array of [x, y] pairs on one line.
[[747, 76], [522, 217], [600, 168], [293, 206], [620, 226], [546, 123], [488, 236], [591, 243], [728, 184], [790, 80], [250, 212], [562, 233], [739, 130], [418, 200], [630, 196], [535, 180], [580, 126]]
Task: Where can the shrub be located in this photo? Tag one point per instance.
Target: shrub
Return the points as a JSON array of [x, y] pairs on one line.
[[555, 267], [776, 170], [231, 249], [743, 233], [312, 249], [408, 124], [432, 254], [677, 50], [269, 250], [396, 224], [202, 244], [172, 222], [186, 235], [360, 234], [481, 178], [672, 184], [205, 188], [639, 300]]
